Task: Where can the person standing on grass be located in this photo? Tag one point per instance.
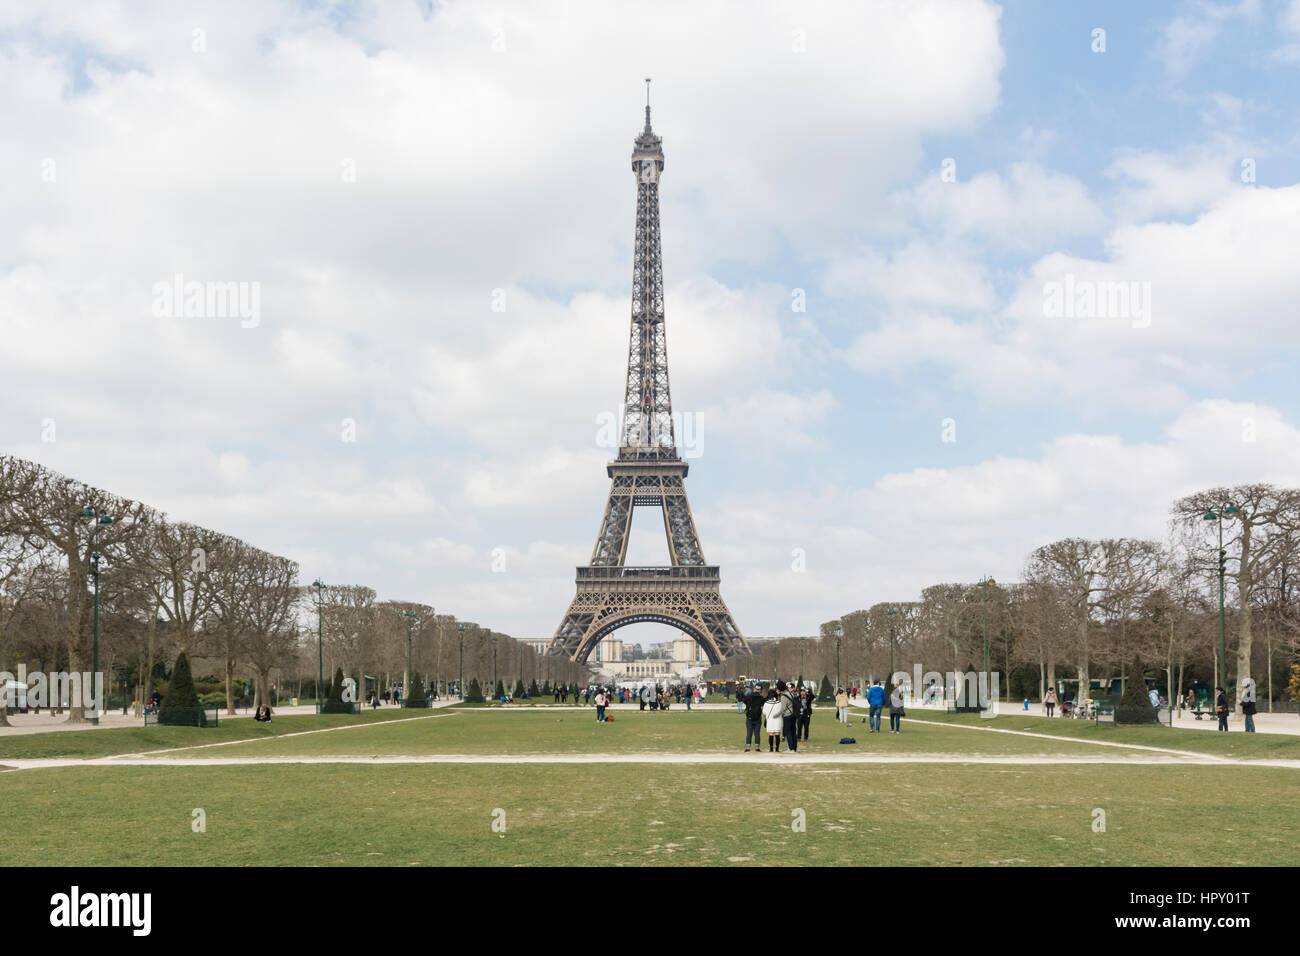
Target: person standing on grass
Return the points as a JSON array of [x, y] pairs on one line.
[[600, 705], [789, 714], [752, 703], [772, 720], [842, 706], [1049, 701], [896, 710], [1221, 708], [876, 700], [805, 714]]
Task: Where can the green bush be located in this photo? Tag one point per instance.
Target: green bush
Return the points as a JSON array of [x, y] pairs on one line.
[[334, 703], [1134, 705], [415, 697], [180, 701], [474, 695], [533, 690], [519, 690], [826, 695], [500, 691]]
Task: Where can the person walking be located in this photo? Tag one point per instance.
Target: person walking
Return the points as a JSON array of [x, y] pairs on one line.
[[1221, 708], [772, 720], [1248, 708], [690, 696], [1049, 702], [842, 706], [752, 704], [876, 700], [896, 710], [805, 715]]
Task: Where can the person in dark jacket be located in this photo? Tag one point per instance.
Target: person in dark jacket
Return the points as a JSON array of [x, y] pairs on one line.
[[1248, 708], [805, 712], [1221, 707], [752, 701], [789, 715]]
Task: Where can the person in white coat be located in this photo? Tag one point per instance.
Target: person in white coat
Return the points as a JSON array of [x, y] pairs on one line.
[[773, 719]]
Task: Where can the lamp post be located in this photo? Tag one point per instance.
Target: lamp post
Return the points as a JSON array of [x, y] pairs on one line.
[[319, 585], [985, 583], [494, 665], [97, 518], [889, 689], [1227, 508], [801, 657], [406, 685], [839, 633], [460, 688]]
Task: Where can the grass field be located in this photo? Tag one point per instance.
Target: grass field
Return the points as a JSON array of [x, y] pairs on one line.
[[634, 813]]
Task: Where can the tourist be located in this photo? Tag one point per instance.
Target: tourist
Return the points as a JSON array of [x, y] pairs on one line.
[[896, 710], [842, 706], [690, 696], [600, 705], [772, 720], [1248, 708], [805, 714], [1049, 701], [1221, 707], [876, 700], [752, 704], [789, 714]]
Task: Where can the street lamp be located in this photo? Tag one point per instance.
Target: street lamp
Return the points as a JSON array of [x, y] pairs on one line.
[[97, 518], [889, 689], [410, 623], [319, 585], [801, 658], [1227, 508], [460, 688], [839, 633], [984, 585], [494, 665]]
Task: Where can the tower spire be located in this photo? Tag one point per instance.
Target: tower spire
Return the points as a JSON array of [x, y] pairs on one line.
[[647, 104]]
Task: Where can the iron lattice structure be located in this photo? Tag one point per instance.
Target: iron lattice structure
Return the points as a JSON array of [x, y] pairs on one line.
[[648, 472]]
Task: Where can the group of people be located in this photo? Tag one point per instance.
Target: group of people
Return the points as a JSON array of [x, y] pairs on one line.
[[648, 696], [782, 711]]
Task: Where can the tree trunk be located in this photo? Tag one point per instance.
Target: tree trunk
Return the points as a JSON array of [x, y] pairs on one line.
[[230, 686], [1244, 587]]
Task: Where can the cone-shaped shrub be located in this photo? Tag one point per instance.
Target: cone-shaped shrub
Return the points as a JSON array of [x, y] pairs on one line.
[[1135, 704], [827, 693], [415, 696], [181, 702], [474, 695]]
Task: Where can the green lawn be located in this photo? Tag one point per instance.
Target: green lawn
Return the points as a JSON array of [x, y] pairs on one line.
[[1232, 744], [129, 740], [630, 814], [455, 731]]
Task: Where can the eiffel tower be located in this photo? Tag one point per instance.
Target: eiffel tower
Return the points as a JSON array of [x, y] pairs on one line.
[[648, 472]]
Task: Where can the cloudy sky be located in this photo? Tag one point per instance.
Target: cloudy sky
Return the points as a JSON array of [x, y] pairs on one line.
[[866, 209]]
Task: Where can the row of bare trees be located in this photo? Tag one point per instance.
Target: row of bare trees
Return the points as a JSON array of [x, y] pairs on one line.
[[168, 587], [1089, 606]]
